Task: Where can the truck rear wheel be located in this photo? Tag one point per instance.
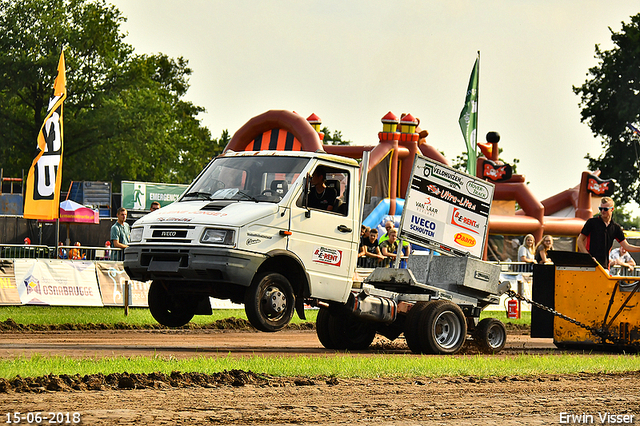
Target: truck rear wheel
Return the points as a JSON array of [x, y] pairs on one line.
[[323, 329], [490, 335], [169, 309], [412, 327], [269, 302], [443, 329]]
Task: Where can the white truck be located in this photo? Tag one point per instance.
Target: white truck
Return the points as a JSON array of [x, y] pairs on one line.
[[244, 231]]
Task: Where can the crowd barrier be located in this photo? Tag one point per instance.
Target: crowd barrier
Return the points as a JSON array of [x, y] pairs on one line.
[[19, 251]]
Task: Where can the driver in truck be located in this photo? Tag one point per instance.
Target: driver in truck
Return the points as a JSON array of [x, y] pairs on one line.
[[321, 197]]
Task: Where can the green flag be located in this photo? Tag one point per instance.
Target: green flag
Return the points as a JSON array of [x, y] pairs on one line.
[[469, 118]]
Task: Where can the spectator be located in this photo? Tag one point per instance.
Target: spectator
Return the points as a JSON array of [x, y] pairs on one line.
[[154, 206], [543, 247], [62, 253], [120, 234], [364, 236], [527, 251], [76, 253], [370, 255], [389, 248], [321, 197], [598, 233], [27, 241], [620, 256], [387, 225], [107, 253]]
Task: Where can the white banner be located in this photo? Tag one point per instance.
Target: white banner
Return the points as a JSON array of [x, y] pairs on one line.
[[57, 282]]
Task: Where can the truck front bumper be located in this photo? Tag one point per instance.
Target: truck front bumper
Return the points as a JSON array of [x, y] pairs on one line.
[[204, 264]]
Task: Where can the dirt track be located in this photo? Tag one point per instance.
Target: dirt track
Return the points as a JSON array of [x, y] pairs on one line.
[[241, 398]]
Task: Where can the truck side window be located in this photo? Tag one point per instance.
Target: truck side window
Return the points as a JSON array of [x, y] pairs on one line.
[[329, 190]]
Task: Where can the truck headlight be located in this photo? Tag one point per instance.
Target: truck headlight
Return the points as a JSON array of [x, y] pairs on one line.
[[136, 235], [218, 236]]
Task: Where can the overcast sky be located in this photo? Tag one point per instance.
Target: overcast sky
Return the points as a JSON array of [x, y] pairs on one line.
[[351, 62]]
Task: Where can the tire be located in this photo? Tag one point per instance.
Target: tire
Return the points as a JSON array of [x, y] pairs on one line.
[[323, 329], [412, 326], [443, 328], [342, 331], [169, 309], [490, 335], [269, 302], [353, 333]]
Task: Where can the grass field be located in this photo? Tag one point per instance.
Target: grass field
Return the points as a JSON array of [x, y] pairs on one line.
[[140, 316], [338, 365]]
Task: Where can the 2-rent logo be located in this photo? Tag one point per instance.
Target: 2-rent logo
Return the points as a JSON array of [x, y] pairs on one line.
[[464, 240]]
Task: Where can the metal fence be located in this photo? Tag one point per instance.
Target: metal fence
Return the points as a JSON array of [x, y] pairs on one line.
[[19, 251]]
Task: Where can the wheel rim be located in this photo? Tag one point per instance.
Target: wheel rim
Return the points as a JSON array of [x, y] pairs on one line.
[[447, 330], [274, 302], [495, 336]]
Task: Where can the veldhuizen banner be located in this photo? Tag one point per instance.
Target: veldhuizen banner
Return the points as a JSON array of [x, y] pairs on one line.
[[57, 282], [446, 208], [140, 195]]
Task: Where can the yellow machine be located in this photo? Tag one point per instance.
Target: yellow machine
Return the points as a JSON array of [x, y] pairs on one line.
[[587, 306]]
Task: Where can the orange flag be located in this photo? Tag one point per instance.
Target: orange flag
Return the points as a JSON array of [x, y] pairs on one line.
[[42, 194]]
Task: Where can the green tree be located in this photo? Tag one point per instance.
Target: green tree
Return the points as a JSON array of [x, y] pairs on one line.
[[610, 100], [334, 138], [124, 116]]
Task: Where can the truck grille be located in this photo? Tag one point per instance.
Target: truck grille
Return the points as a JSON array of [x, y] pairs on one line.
[[170, 234]]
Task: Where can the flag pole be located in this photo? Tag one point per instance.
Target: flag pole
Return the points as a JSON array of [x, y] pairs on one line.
[[475, 142]]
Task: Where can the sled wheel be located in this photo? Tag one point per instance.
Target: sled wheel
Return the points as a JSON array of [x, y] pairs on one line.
[[169, 309], [443, 328], [490, 335], [269, 302], [412, 326]]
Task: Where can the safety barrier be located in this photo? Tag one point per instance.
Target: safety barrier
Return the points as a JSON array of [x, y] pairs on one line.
[[20, 251]]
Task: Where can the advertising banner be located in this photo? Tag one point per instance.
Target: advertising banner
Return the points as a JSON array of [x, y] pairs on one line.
[[112, 277], [140, 195], [8, 289], [446, 208], [57, 282]]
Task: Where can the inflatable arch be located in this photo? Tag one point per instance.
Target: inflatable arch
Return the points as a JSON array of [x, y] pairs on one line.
[[399, 141]]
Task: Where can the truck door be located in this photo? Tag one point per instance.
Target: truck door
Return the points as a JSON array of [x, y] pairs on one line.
[[327, 240]]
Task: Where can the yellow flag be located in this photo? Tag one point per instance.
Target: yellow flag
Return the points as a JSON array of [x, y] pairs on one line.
[[42, 192]]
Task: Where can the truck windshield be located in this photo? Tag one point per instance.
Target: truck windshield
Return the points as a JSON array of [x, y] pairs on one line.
[[252, 178]]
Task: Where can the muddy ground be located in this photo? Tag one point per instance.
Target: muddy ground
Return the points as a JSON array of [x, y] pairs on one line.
[[241, 397]]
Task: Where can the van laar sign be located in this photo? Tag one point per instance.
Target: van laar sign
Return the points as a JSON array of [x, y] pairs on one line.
[[446, 208], [140, 195]]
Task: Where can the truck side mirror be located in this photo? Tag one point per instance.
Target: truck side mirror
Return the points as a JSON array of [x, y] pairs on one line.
[[367, 195]]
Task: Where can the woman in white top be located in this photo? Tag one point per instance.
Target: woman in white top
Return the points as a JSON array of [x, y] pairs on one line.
[[527, 251]]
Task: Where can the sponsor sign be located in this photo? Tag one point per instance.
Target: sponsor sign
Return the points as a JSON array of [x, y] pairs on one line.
[[328, 256], [112, 277], [140, 195], [8, 288], [57, 282], [446, 208]]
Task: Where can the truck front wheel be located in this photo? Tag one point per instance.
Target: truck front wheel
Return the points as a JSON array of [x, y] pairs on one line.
[[269, 302], [169, 309]]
